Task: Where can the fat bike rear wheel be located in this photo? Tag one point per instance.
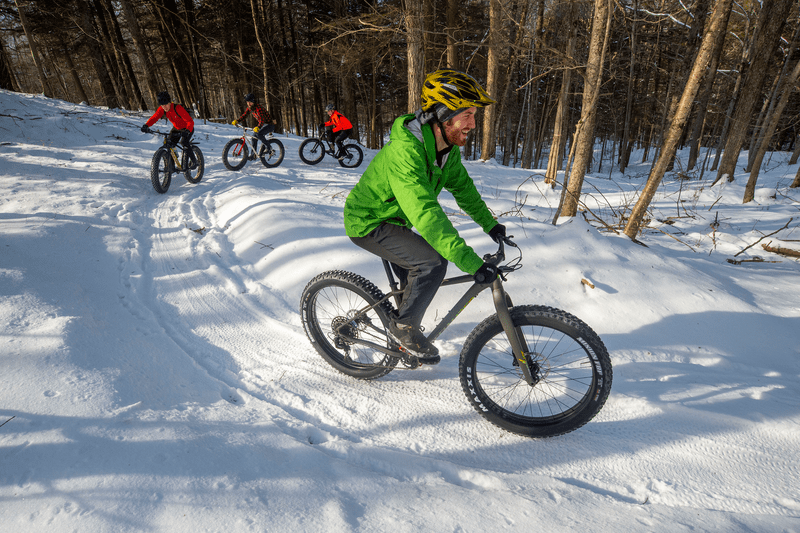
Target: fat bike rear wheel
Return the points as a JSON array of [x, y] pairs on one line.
[[334, 314]]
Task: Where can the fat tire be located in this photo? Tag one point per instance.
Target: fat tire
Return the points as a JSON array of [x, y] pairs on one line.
[[231, 148], [575, 376], [331, 298], [196, 174], [353, 157], [161, 170], [311, 151], [275, 147]]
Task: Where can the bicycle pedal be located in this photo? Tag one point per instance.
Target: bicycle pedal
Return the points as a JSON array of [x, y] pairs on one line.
[[409, 361], [414, 360]]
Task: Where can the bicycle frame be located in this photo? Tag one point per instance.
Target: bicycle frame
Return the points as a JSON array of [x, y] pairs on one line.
[[171, 147], [248, 139], [502, 305]]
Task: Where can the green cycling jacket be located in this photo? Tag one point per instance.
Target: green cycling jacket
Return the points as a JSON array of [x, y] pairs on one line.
[[401, 186]]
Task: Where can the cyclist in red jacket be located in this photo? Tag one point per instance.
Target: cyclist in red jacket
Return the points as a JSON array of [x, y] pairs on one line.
[[266, 124], [341, 128], [182, 123]]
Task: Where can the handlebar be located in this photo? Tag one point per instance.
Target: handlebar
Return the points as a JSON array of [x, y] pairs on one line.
[[500, 256]]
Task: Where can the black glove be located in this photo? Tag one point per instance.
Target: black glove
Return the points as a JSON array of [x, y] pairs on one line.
[[487, 273], [497, 232], [145, 129]]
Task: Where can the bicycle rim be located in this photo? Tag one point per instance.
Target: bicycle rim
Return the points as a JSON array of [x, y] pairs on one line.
[[196, 174], [311, 151], [271, 153], [568, 360], [332, 310], [161, 170], [234, 154]]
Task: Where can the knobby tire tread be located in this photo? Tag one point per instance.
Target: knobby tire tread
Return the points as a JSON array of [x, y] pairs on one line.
[[553, 319], [364, 289]]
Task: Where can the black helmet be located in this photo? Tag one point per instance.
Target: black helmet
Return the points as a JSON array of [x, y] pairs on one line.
[[249, 97], [163, 98], [330, 107]]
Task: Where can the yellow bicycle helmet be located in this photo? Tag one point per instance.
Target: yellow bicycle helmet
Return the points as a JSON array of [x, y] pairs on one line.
[[448, 92]]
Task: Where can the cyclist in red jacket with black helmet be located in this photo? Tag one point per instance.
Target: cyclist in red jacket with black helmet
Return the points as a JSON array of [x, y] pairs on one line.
[[342, 128], [182, 123]]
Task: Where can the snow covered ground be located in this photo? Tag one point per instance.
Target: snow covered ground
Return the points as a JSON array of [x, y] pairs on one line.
[[155, 375]]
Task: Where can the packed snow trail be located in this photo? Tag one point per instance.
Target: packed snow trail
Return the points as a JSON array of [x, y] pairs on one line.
[[159, 378]]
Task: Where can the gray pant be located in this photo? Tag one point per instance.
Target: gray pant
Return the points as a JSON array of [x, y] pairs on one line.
[[419, 267]]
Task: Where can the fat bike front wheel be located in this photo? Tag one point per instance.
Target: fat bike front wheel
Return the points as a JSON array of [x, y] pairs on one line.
[[311, 151], [336, 314], [568, 361], [235, 154], [161, 170]]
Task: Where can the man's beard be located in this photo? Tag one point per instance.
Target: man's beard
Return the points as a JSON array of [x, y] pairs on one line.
[[453, 134]]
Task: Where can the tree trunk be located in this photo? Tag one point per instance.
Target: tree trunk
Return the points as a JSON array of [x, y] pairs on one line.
[[624, 145], [703, 100], [767, 38], [489, 141], [34, 50], [771, 123], [96, 55], [137, 101], [415, 52], [556, 156], [73, 72], [148, 70], [796, 183], [584, 132], [113, 62], [264, 59], [7, 79], [718, 23], [453, 59]]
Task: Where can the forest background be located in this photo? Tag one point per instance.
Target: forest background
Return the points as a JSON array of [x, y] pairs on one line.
[[580, 84]]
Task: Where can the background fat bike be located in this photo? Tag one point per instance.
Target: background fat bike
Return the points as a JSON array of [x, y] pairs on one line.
[[237, 152], [166, 162]]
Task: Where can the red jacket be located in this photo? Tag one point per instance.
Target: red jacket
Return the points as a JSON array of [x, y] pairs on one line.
[[339, 122], [259, 113], [179, 117]]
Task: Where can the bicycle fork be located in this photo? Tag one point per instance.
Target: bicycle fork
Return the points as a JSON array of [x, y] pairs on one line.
[[503, 304]]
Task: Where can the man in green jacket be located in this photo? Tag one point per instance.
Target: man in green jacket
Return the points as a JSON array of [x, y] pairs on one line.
[[399, 190]]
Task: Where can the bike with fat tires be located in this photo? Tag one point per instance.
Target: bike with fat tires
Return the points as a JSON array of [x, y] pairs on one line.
[[531, 369], [167, 162], [313, 150], [237, 152]]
